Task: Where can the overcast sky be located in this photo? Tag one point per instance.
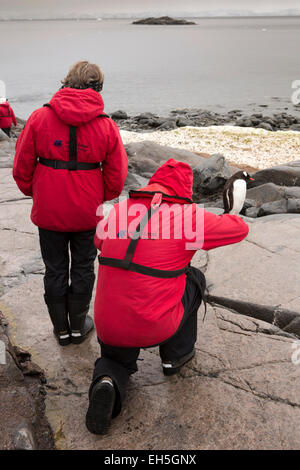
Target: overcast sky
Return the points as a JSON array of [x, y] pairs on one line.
[[44, 8]]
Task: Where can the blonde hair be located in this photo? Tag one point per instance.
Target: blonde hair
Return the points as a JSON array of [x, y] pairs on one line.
[[84, 75]]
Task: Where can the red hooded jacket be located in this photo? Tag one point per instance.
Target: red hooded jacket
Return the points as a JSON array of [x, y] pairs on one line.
[[137, 310], [65, 200], [7, 116]]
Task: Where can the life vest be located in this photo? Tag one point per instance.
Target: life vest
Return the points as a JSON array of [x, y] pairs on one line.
[[127, 263], [72, 164]]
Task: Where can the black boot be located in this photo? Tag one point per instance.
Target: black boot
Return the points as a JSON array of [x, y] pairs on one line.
[[101, 403], [81, 324], [57, 308]]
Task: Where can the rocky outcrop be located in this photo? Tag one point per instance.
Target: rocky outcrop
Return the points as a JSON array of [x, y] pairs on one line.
[[23, 425], [163, 20], [282, 175], [277, 121], [200, 117]]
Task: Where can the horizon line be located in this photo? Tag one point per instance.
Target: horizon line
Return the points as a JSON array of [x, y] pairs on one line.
[[97, 18]]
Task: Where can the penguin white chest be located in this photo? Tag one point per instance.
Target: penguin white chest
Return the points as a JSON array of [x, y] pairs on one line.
[[239, 195]]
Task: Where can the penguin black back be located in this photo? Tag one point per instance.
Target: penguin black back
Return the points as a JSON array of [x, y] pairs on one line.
[[228, 192]]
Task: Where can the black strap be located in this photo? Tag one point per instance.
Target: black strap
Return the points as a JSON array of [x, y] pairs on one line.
[[141, 193], [72, 164], [72, 144], [140, 268], [66, 165], [126, 262]]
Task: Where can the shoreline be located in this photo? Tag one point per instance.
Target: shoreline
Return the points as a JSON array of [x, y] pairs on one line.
[[197, 117]]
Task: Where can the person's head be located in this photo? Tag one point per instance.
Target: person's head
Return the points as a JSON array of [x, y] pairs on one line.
[[84, 75]]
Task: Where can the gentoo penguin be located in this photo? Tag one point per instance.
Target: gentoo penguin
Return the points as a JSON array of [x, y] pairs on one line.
[[234, 193]]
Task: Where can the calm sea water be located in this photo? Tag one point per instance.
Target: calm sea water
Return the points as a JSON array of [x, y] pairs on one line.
[[219, 64]]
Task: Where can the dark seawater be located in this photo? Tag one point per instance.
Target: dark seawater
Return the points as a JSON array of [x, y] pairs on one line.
[[220, 64]]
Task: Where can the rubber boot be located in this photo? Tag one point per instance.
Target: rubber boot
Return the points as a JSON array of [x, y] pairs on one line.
[[57, 308], [81, 324], [101, 404]]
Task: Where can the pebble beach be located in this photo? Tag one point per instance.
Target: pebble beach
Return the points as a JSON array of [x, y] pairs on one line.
[[256, 148]]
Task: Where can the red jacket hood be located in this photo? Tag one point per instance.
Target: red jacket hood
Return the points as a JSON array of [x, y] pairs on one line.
[[176, 176], [5, 104], [76, 107]]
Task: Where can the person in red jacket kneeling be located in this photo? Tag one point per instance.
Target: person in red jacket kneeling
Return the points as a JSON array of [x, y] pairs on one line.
[[7, 116], [147, 292], [70, 158]]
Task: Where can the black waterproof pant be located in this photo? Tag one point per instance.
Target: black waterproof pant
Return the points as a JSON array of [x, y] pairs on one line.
[[69, 260], [120, 363], [6, 130]]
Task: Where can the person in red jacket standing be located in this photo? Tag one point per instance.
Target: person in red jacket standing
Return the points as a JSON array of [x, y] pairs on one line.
[[70, 159], [147, 292], [7, 116]]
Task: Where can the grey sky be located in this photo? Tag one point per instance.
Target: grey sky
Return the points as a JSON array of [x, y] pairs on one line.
[[45, 8]]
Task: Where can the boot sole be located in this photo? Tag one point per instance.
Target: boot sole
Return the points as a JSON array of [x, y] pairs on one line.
[[174, 370], [64, 342], [100, 409], [80, 339]]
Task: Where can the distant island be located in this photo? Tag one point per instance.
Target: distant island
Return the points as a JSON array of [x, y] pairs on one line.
[[163, 20]]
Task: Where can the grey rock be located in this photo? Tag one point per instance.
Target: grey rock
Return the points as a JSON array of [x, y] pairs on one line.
[[143, 165], [283, 175], [275, 207], [160, 154], [182, 122], [119, 115], [292, 192], [146, 116], [210, 176], [23, 439], [263, 269], [167, 125], [251, 212], [293, 206], [265, 125], [266, 193], [131, 182]]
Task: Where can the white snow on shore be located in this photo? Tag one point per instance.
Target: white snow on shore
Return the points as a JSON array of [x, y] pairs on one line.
[[247, 146]]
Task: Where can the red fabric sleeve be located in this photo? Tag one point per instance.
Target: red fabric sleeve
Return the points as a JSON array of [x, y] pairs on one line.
[[114, 167], [221, 230], [25, 159]]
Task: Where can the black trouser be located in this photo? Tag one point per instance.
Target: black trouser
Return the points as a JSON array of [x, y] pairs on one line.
[[61, 276], [6, 130], [120, 363]]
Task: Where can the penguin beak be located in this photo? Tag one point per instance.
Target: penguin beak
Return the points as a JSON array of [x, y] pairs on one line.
[[251, 179]]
